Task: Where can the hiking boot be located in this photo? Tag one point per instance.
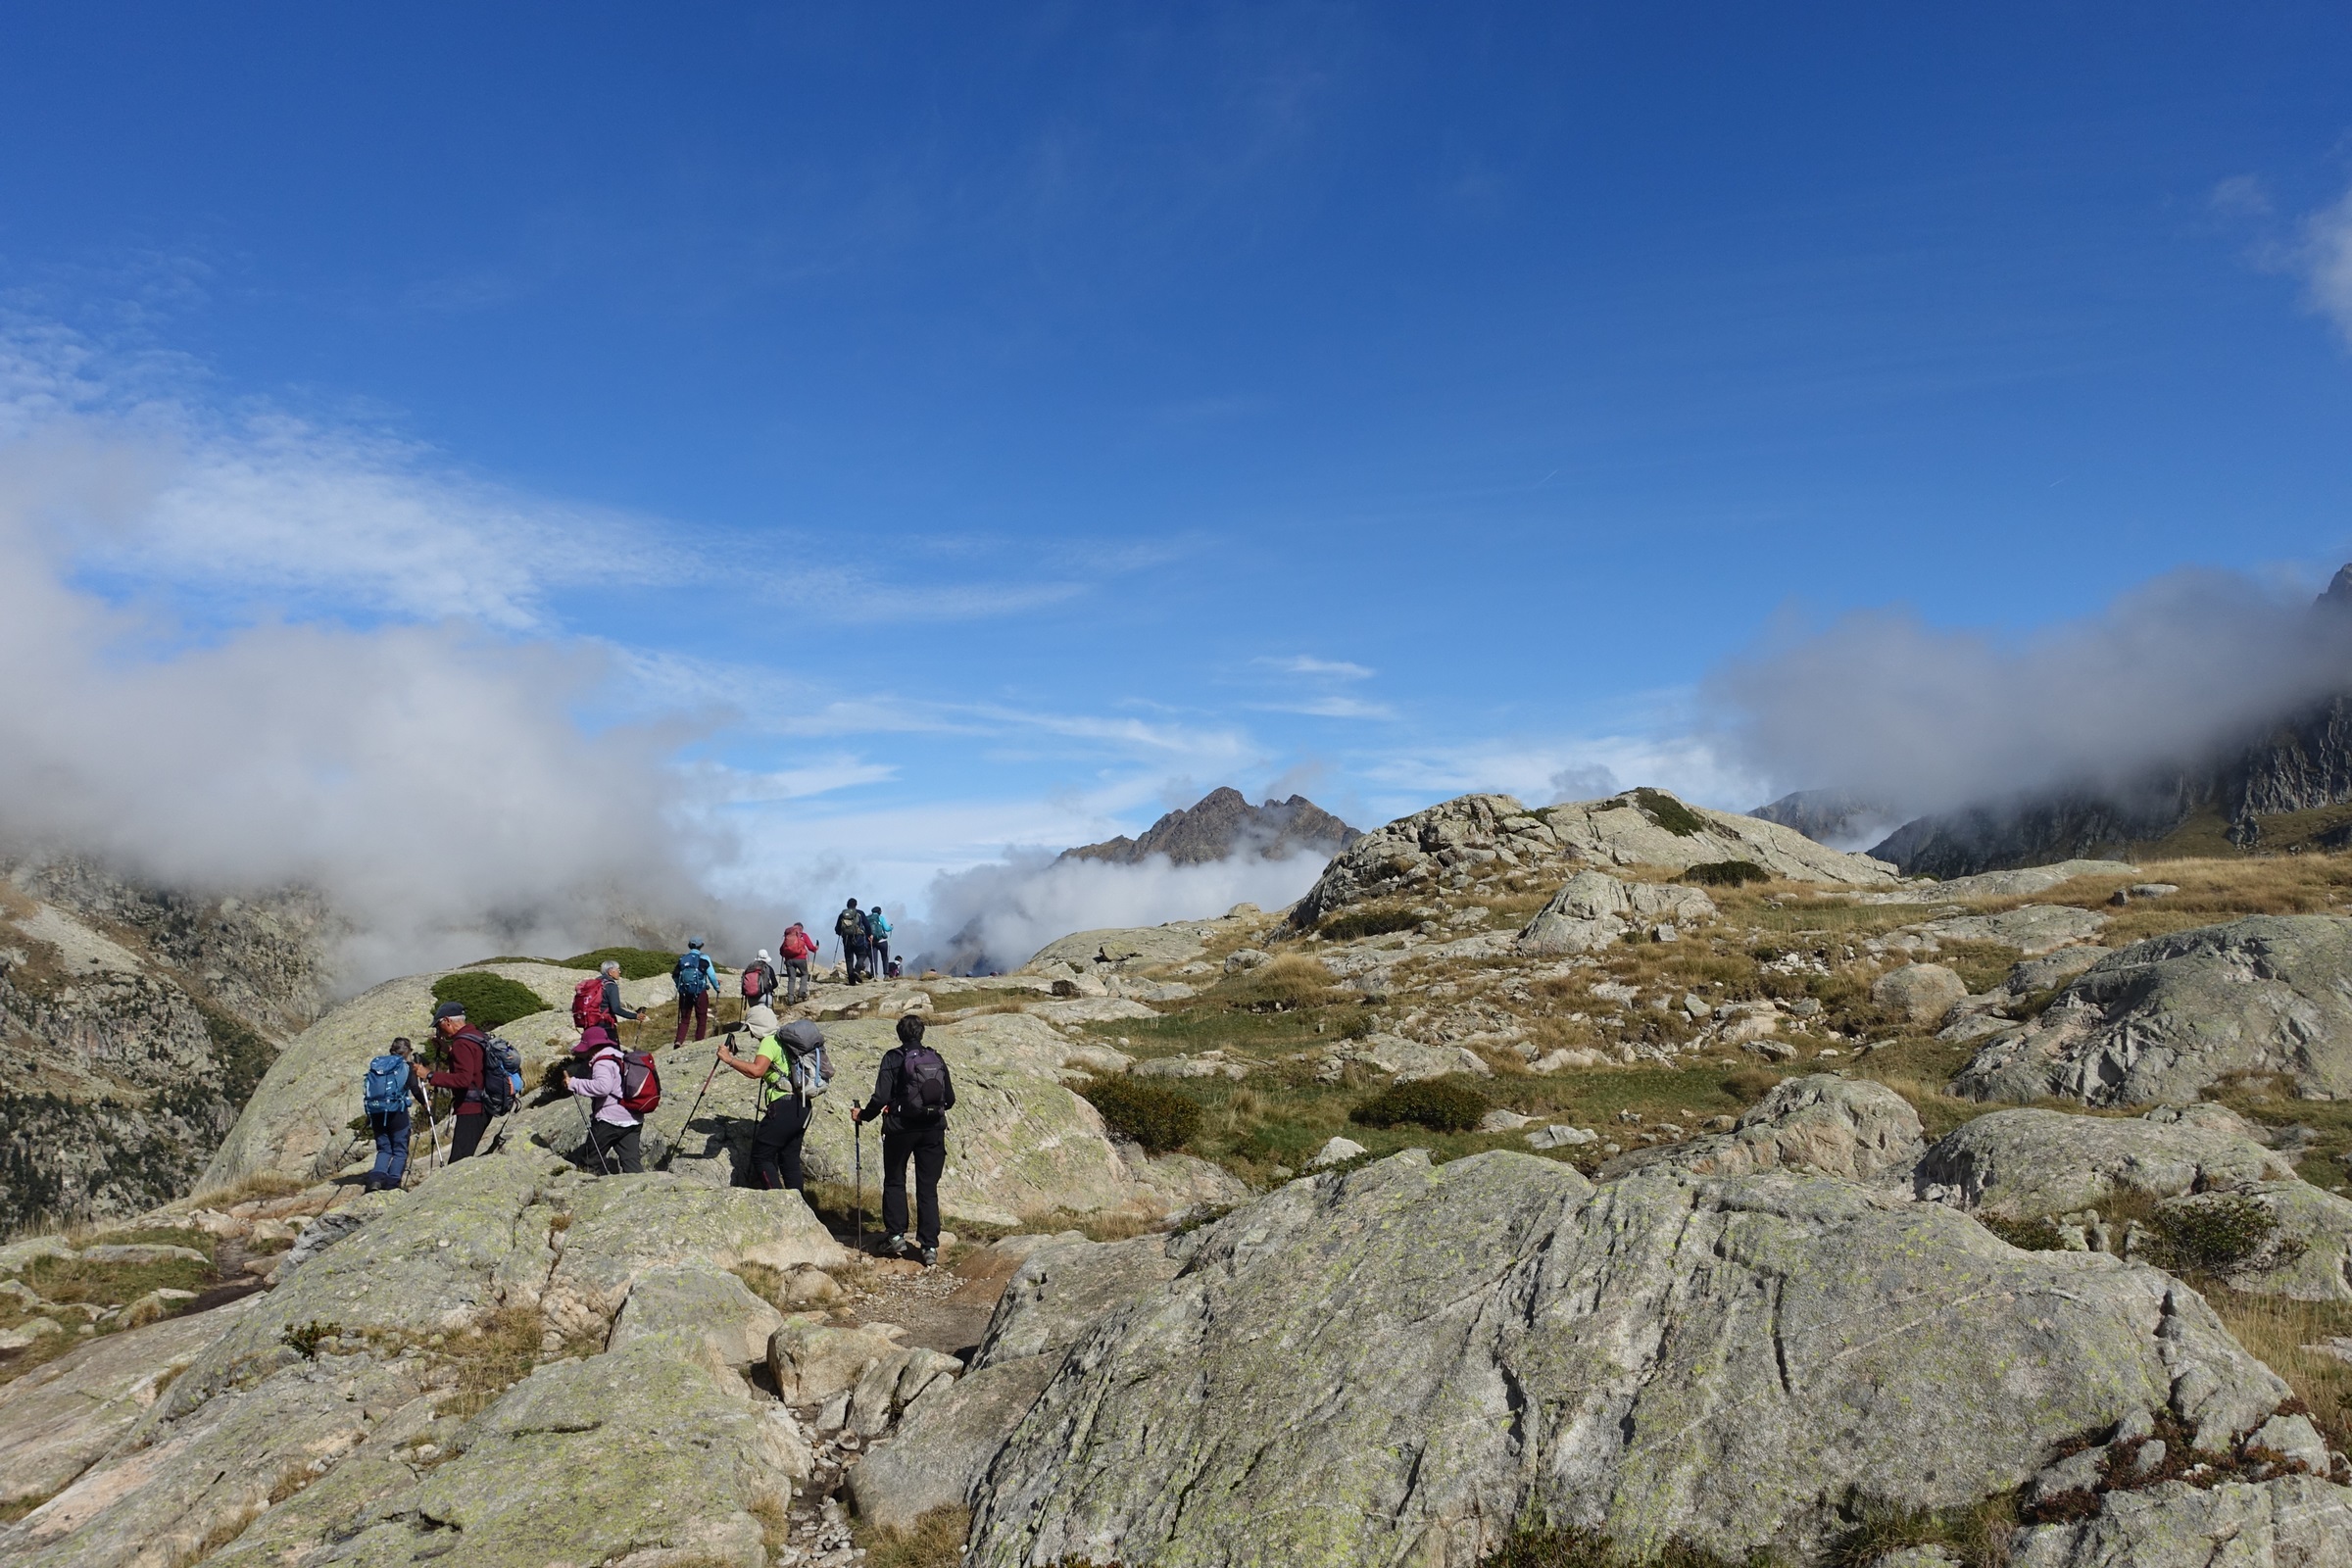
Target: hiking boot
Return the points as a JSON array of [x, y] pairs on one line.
[[930, 1257], [896, 1247]]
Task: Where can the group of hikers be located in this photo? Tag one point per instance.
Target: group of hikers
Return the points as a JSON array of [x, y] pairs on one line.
[[617, 1088]]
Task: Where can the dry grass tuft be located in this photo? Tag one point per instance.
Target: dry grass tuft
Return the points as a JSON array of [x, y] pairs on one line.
[[935, 1541], [2283, 1332]]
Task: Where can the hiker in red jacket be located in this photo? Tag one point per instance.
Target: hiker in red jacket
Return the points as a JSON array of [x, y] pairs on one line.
[[798, 947], [462, 1045]]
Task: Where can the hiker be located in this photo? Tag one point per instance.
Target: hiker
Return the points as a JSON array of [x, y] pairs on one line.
[[913, 1094], [849, 926], [797, 948], [385, 1094], [615, 1131], [596, 1000], [466, 1049], [759, 984], [877, 931], [695, 979], [792, 1069]]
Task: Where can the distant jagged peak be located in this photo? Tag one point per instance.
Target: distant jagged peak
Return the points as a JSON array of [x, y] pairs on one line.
[[1223, 823]]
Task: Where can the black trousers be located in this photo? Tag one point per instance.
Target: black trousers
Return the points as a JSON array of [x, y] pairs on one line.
[[616, 1148], [927, 1148], [776, 1145], [465, 1136]]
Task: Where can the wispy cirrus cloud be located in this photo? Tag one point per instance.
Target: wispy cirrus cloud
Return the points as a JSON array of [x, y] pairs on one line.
[[1309, 664]]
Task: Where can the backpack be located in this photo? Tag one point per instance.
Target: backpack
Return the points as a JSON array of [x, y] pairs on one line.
[[755, 984], [691, 974], [640, 1083], [809, 1065], [922, 1081], [385, 1092], [502, 1074], [797, 944], [849, 923], [588, 1002]]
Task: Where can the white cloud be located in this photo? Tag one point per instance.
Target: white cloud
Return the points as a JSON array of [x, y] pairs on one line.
[[1330, 707], [993, 918], [1309, 664], [2326, 264]]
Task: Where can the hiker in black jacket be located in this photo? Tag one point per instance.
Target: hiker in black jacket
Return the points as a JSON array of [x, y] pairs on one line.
[[913, 1094]]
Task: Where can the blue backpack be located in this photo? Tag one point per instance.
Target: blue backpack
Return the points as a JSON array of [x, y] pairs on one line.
[[385, 1089], [691, 974]]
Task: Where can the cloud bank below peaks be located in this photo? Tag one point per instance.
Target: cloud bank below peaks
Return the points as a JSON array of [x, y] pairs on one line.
[[992, 918], [430, 779], [1927, 719]]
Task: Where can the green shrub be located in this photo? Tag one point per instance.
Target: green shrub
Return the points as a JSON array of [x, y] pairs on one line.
[[2026, 1235], [1670, 813], [636, 963], [491, 1001], [1727, 873], [2216, 1234], [1369, 920], [1441, 1105], [1154, 1114]]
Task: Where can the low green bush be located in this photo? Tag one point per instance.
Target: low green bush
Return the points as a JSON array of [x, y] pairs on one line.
[[636, 963], [1441, 1105], [1368, 921], [1727, 873], [1670, 813], [2026, 1235], [491, 1001], [1154, 1114], [2216, 1234], [1550, 1547]]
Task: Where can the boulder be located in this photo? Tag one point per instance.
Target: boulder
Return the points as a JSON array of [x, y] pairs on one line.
[[1484, 834], [635, 1455], [1822, 1125], [704, 1309], [2163, 1019], [1338, 1152], [1397, 1364], [1063, 1285], [1594, 909], [1921, 992], [2030, 929], [812, 1361], [2024, 1163], [1131, 948], [944, 1441], [2024, 882], [1404, 1060]]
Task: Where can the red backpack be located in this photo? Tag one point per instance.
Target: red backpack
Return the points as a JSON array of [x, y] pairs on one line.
[[640, 1083], [588, 1002], [755, 984]]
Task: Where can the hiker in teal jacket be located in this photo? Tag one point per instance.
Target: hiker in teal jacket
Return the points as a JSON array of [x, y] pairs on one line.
[[877, 933]]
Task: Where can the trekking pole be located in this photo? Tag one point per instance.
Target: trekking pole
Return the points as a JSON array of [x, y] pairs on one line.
[[858, 1164], [671, 1152], [602, 1162]]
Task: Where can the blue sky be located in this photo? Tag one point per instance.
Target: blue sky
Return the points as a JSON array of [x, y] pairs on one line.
[[958, 427]]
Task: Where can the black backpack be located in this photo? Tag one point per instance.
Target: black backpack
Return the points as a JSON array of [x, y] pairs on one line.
[[922, 1081]]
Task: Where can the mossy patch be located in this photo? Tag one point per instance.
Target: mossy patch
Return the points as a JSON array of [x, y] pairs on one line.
[[490, 1000], [1727, 873]]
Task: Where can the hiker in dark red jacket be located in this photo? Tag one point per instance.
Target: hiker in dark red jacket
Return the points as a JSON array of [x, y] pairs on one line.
[[462, 1045]]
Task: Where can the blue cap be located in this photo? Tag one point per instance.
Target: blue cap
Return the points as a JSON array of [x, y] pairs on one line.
[[449, 1009], [694, 942]]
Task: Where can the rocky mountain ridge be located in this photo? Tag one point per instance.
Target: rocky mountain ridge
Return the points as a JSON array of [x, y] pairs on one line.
[[1223, 823], [134, 1023]]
